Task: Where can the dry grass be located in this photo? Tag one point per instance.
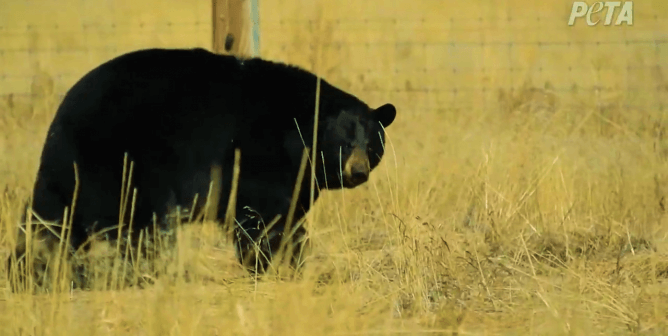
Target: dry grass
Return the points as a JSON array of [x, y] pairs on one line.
[[528, 212]]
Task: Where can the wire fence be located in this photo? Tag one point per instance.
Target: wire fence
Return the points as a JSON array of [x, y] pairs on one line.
[[430, 54]]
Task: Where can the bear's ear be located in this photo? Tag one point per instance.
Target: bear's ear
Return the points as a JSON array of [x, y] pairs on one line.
[[385, 114]]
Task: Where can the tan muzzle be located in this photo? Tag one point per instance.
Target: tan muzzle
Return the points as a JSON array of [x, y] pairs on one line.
[[356, 170]]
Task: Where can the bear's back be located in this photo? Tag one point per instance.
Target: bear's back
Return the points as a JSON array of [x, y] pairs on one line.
[[154, 82]]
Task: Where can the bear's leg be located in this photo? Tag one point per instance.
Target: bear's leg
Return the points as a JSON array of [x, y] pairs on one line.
[[44, 247], [257, 249], [44, 241]]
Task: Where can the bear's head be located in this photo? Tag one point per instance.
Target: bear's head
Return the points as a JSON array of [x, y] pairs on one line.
[[352, 142]]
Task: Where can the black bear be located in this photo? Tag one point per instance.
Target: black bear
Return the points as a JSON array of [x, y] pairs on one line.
[[176, 113]]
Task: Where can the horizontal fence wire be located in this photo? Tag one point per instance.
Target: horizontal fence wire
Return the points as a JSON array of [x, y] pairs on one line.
[[436, 60]]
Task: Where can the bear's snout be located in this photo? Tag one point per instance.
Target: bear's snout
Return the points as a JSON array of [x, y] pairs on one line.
[[356, 170]]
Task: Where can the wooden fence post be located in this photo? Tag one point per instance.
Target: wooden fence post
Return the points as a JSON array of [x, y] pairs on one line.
[[231, 27]]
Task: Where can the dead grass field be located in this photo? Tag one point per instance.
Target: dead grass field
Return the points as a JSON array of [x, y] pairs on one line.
[[527, 212]]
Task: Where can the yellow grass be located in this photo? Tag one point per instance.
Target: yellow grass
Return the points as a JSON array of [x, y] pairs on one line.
[[533, 211]]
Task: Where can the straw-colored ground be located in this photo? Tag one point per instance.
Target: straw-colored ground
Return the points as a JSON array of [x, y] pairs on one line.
[[533, 212]]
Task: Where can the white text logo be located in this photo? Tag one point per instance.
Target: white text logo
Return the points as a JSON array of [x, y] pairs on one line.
[[581, 9]]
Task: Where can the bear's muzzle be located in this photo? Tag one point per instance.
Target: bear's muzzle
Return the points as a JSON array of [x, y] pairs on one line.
[[356, 170]]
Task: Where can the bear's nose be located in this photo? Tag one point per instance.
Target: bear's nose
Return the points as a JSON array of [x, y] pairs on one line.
[[359, 173]]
